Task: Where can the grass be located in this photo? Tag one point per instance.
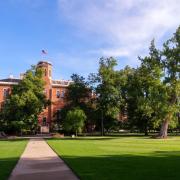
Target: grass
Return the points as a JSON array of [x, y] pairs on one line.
[[10, 151], [121, 158]]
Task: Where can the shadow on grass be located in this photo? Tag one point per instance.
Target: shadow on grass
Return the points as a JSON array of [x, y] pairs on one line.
[[160, 166], [6, 166], [10, 151]]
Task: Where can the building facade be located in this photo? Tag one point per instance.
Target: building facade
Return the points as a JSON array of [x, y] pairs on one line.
[[54, 90]]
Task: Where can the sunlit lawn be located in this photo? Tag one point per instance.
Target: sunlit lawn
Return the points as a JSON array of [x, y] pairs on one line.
[[10, 151], [121, 158]]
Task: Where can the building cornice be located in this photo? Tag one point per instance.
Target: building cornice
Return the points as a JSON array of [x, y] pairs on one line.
[[59, 85], [8, 83]]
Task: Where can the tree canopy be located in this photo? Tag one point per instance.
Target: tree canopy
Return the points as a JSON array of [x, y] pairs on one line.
[[25, 103], [74, 121]]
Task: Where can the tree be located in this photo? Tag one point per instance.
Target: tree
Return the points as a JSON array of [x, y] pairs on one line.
[[78, 92], [171, 62], [106, 90], [154, 88], [27, 100], [79, 95], [145, 90], [74, 121]]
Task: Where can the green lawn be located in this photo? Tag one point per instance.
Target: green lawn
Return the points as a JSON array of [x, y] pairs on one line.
[[10, 151], [121, 158]]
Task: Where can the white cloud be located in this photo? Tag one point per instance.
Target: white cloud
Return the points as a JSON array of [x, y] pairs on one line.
[[127, 26]]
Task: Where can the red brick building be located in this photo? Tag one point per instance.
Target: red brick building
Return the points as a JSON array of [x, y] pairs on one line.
[[54, 90]]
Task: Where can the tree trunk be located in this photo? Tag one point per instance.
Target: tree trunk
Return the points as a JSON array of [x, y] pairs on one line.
[[146, 128], [146, 132], [102, 124], [164, 130]]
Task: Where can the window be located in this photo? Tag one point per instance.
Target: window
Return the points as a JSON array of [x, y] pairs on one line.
[[62, 94], [5, 93], [44, 121], [58, 114], [58, 94]]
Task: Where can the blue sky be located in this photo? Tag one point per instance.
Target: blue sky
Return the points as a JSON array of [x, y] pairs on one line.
[[76, 33]]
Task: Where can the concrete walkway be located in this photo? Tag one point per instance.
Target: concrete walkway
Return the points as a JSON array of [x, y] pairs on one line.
[[40, 162]]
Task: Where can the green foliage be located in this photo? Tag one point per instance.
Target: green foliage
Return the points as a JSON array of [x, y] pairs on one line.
[[106, 89], [171, 61], [78, 91], [148, 96], [144, 91], [22, 107], [79, 96], [74, 121]]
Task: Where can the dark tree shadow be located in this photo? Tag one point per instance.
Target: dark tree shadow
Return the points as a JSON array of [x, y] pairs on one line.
[[7, 164], [162, 165]]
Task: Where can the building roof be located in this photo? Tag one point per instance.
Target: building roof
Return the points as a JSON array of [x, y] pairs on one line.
[[15, 81], [10, 81], [44, 62], [61, 83]]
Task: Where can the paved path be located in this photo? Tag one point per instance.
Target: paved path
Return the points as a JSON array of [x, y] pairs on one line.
[[40, 162]]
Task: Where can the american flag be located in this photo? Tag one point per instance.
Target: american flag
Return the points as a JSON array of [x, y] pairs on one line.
[[44, 52]]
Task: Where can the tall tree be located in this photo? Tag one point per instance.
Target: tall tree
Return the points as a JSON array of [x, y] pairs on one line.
[[107, 93], [27, 100], [79, 95], [171, 61], [150, 85]]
